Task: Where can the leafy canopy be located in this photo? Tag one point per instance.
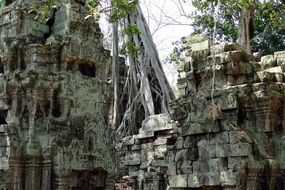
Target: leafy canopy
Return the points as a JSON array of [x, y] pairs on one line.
[[269, 25]]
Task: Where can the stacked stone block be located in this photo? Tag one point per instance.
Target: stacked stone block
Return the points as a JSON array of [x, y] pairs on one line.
[[54, 101], [143, 156], [234, 121], [231, 124]]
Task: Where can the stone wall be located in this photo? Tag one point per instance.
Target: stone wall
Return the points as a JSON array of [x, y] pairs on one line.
[[230, 125], [55, 100], [232, 119], [142, 157]]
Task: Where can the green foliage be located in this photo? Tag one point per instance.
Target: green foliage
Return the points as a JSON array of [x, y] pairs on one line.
[[269, 25], [45, 9], [131, 30], [129, 48], [91, 4], [121, 8], [177, 55], [226, 20]]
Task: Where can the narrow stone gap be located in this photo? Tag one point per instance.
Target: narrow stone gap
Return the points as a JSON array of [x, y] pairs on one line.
[[56, 112], [2, 68], [50, 22], [8, 2], [3, 116]]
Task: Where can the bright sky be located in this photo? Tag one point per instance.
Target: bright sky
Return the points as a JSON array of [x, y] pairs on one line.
[[167, 21]]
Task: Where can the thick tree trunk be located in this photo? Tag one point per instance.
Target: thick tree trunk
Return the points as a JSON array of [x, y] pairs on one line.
[[246, 27], [149, 62], [153, 91]]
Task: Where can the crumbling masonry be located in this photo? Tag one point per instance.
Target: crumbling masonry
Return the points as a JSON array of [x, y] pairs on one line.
[[55, 99], [225, 131], [227, 126]]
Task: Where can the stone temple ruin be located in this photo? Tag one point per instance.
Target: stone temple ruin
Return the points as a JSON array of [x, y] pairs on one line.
[[55, 100], [231, 137], [225, 130]]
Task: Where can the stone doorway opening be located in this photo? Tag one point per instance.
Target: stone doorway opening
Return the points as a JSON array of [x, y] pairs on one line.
[[90, 180]]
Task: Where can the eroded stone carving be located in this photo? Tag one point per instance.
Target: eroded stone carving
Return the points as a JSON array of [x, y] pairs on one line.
[[53, 131]]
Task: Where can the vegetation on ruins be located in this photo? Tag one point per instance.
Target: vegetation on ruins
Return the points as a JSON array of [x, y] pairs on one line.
[[146, 90], [146, 85], [266, 29]]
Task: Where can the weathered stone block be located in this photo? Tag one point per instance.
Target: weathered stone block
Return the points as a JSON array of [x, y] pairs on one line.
[[170, 156], [171, 170], [229, 178], [133, 162], [220, 138], [204, 45], [134, 168], [200, 166], [130, 140], [203, 149], [184, 167], [133, 158], [4, 140], [156, 123], [134, 173], [196, 180], [235, 136], [182, 154], [212, 179], [280, 57], [217, 164], [160, 141], [4, 164], [179, 143], [147, 146], [149, 155], [228, 102], [223, 150], [221, 58], [239, 68], [236, 163], [159, 163], [212, 151], [136, 147], [144, 165], [220, 48], [159, 151], [189, 142], [3, 128], [227, 125], [178, 181], [240, 149], [263, 76], [143, 155], [200, 110], [200, 128], [4, 152], [268, 61]]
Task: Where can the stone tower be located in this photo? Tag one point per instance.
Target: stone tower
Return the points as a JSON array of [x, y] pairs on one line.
[[55, 99]]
